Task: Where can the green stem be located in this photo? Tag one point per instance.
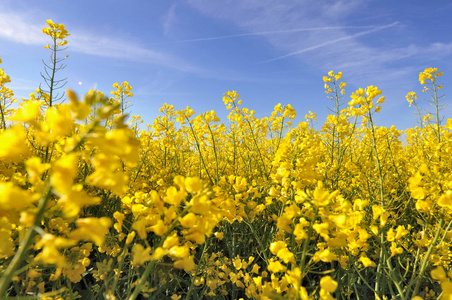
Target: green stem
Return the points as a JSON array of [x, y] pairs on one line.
[[3, 114], [214, 151], [258, 239], [151, 264], [254, 139], [199, 149], [395, 280], [21, 253], [191, 288], [380, 177], [52, 78], [426, 258], [121, 263], [306, 244], [142, 280]]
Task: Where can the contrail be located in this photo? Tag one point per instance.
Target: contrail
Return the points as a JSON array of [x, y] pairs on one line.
[[331, 42], [261, 33]]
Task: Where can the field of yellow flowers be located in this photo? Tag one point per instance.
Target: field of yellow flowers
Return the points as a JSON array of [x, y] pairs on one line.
[[92, 207]]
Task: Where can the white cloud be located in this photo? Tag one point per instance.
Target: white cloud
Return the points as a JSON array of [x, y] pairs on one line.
[[122, 49], [17, 28], [328, 43], [263, 33], [350, 50], [169, 19]]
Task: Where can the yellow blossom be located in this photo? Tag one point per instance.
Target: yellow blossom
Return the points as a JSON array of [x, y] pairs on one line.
[[275, 266], [28, 112], [327, 283], [13, 197], [92, 229], [367, 262], [14, 144], [188, 264], [140, 254]]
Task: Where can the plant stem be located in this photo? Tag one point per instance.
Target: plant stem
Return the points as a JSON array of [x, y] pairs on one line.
[[25, 243]]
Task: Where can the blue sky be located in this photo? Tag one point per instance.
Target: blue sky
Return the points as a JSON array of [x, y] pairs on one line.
[[190, 52]]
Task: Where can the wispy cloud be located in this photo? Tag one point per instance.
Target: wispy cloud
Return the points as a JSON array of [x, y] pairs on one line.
[[17, 28], [122, 49], [345, 38], [283, 24], [222, 37], [169, 19]]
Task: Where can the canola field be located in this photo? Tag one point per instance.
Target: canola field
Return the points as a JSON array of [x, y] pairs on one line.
[[96, 205]]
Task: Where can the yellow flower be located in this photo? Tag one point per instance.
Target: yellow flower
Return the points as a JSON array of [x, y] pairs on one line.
[[173, 196], [193, 184], [321, 196], [81, 110], [159, 253], [439, 274], [411, 97], [446, 287], [107, 176], [28, 112], [14, 144], [50, 246], [120, 217], [188, 221], [300, 232], [326, 79], [179, 251], [64, 172], [275, 247], [35, 168], [160, 228], [286, 255], [275, 266], [197, 235], [59, 122], [377, 211], [324, 255], [6, 244], [322, 229], [171, 241], [92, 229], [400, 232], [367, 262], [56, 31], [140, 227], [445, 200], [13, 197], [219, 235], [140, 254], [188, 264], [237, 262], [121, 142], [395, 250], [390, 236], [294, 277], [130, 237], [72, 201], [327, 283], [360, 204], [284, 222]]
